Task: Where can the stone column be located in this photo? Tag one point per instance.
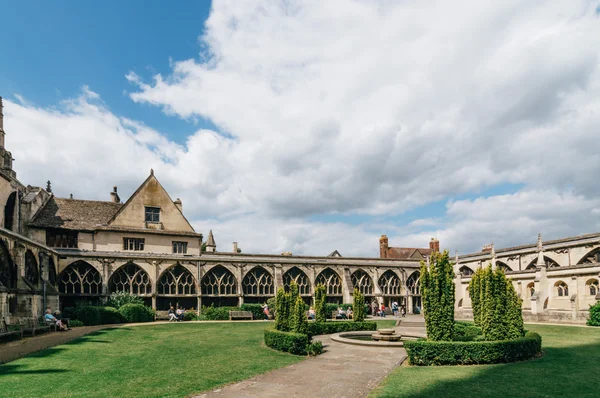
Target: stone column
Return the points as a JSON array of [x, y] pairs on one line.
[[347, 290], [409, 309], [239, 276]]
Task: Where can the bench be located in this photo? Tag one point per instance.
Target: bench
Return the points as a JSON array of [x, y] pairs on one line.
[[5, 329], [32, 325], [240, 315]]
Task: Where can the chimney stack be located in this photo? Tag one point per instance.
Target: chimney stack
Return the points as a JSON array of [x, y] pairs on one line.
[[179, 205], [114, 196], [434, 245], [235, 247], [383, 246]]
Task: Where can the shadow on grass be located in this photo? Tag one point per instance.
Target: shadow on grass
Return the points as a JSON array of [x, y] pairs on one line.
[[7, 370], [566, 371]]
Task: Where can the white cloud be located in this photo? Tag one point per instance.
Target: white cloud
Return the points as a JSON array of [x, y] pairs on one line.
[[368, 108]]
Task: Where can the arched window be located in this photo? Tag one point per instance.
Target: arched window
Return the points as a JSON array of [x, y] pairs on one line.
[[80, 278], [130, 278], [9, 211], [460, 303], [465, 271], [219, 281], [297, 275], [32, 270], [592, 287], [176, 280], [390, 284], [258, 282], [503, 266], [413, 283], [331, 280], [362, 281], [530, 289], [8, 269], [562, 290]]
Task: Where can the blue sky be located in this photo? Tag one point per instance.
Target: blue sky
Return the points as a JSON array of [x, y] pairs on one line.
[[316, 126]]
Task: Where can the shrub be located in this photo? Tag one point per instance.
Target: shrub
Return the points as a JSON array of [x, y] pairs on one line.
[[465, 331], [137, 313], [299, 323], [190, 315], [119, 299], [594, 315], [272, 303], [437, 289], [69, 313], [294, 343], [425, 352], [359, 306], [320, 301], [315, 348], [329, 309], [110, 315], [75, 323], [316, 328], [90, 316], [213, 313], [282, 319], [255, 309]]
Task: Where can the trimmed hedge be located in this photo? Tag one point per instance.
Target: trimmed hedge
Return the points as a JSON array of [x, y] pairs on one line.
[[90, 316], [218, 313], [294, 343], [110, 315], [316, 328], [594, 315], [255, 309], [423, 352], [465, 331], [137, 313]]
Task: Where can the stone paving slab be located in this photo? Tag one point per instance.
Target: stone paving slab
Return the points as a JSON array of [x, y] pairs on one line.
[[343, 371]]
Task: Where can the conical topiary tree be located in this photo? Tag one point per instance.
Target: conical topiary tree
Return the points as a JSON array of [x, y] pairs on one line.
[[358, 306], [299, 320], [320, 301], [282, 313], [437, 291]]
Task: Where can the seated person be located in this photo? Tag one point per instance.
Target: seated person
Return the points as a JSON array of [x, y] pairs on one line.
[[349, 313], [172, 315], [51, 319], [180, 314], [311, 313], [65, 321], [341, 313]]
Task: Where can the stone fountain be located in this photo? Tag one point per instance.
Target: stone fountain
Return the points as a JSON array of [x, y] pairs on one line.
[[386, 335]]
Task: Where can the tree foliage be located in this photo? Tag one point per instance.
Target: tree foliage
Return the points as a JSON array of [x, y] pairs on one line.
[[299, 319], [496, 305], [282, 313], [320, 303], [437, 291], [358, 306]]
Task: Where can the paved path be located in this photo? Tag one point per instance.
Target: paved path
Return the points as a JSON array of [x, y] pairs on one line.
[[343, 371]]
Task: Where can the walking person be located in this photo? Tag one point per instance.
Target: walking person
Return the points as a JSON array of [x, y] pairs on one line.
[[395, 309]]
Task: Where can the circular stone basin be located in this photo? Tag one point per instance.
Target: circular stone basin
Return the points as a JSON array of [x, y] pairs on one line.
[[366, 339], [386, 335]]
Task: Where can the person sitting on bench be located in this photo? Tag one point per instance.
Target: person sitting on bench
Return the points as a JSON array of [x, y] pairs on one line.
[[172, 315], [50, 318]]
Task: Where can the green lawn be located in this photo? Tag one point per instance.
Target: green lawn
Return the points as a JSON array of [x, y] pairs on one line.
[[172, 360], [569, 367]]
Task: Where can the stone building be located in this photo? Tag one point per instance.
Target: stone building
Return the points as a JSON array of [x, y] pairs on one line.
[[556, 279]]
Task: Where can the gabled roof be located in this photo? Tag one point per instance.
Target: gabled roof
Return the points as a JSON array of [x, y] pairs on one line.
[[83, 215], [334, 253], [407, 252]]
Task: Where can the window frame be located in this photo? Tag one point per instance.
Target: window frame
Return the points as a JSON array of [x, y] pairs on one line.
[[154, 213], [134, 244], [62, 238], [178, 244]]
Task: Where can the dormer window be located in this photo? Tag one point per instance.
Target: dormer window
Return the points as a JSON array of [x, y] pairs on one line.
[[152, 214]]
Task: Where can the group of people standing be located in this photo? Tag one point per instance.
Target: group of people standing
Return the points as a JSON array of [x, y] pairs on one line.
[[380, 310]]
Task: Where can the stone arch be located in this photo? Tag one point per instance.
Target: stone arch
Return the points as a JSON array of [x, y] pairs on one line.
[[591, 257], [465, 271], [591, 287], [297, 275], [530, 290], [503, 266], [32, 269], [258, 282], [413, 283], [8, 268], [9, 211], [361, 280], [390, 284], [130, 278], [80, 278], [331, 280], [561, 289], [547, 260], [219, 281], [176, 280], [460, 303]]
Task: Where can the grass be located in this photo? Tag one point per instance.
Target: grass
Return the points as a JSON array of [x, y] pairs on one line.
[[172, 360], [568, 368]]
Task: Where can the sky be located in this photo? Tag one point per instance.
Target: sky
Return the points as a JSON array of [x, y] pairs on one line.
[[311, 126]]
